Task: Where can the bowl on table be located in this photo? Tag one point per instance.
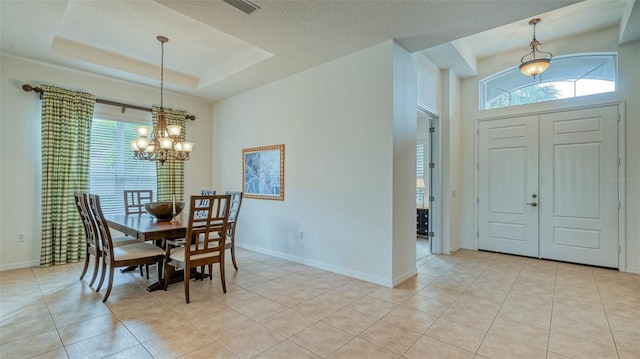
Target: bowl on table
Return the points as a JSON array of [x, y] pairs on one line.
[[163, 210]]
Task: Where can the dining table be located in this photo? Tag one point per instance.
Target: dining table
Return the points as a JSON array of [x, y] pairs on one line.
[[148, 228]]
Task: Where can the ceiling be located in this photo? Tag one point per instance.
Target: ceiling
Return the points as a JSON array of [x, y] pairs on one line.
[[216, 51]]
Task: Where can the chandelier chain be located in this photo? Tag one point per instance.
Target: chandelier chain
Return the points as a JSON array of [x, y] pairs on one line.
[[162, 74]]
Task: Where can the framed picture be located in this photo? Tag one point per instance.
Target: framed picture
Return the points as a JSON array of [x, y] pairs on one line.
[[263, 172]]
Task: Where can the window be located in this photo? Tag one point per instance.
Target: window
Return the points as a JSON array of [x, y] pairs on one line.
[[568, 76], [112, 168], [420, 171]]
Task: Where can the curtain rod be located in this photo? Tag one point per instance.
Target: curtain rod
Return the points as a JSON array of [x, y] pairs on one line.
[[124, 106]]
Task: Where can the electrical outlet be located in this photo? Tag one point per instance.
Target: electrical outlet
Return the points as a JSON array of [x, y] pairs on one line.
[[20, 237], [300, 235]]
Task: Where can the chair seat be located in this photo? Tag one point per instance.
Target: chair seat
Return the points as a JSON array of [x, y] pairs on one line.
[[134, 251], [123, 241], [177, 254]]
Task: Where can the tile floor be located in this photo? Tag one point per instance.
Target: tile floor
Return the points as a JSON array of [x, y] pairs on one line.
[[467, 305], [423, 248]]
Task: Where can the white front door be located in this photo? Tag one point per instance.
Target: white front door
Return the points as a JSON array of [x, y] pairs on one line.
[[578, 190], [508, 186]]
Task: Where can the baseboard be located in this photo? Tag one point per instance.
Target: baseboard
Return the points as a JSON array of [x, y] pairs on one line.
[[319, 265], [635, 270], [20, 265], [405, 276]]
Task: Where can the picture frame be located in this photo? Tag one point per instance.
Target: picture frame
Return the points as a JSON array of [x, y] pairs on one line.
[[263, 172]]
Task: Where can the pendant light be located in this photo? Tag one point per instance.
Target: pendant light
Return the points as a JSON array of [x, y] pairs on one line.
[[534, 66], [163, 143]]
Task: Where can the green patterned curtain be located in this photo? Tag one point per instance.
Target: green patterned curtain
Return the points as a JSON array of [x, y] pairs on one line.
[[171, 173], [66, 133]]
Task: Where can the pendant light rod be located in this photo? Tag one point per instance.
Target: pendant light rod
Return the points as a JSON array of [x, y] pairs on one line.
[[162, 40]]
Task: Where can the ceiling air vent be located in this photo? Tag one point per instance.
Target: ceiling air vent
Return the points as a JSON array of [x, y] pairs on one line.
[[245, 5]]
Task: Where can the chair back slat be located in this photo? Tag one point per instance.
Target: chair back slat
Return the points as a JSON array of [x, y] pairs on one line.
[[236, 202], [101, 224], [134, 200], [208, 223], [205, 192], [91, 233]]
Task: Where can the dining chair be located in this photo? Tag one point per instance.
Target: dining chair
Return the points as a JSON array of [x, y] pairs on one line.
[[92, 239], [204, 242], [123, 255], [134, 200], [234, 210], [92, 236]]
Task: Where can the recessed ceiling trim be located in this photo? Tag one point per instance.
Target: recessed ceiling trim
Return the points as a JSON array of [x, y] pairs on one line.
[[97, 56]]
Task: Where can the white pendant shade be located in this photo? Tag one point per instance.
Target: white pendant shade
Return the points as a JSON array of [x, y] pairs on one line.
[[534, 67]]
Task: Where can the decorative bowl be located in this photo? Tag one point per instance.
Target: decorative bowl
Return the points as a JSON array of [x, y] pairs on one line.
[[163, 210]]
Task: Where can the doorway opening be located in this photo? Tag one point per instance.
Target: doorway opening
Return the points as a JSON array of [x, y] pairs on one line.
[[427, 184]]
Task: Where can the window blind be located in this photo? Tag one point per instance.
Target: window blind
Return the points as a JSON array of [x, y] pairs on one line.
[[112, 168], [420, 170]]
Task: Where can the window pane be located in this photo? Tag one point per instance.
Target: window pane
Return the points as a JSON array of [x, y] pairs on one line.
[[589, 87], [419, 170], [112, 168]]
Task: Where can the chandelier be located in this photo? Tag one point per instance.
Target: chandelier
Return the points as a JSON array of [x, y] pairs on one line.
[[163, 144], [534, 66]]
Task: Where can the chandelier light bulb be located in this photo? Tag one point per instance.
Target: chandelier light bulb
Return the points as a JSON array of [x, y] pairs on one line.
[[174, 130], [143, 131], [187, 146], [142, 143], [166, 143]]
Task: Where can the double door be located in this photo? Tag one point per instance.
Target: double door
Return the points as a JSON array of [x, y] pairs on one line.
[[547, 186]]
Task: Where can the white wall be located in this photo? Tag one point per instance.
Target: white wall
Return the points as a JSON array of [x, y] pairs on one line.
[[336, 121], [628, 91], [404, 164], [429, 83], [451, 161], [20, 162]]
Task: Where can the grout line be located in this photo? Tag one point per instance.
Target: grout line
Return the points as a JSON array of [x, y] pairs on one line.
[[555, 281], [501, 304], [615, 344]]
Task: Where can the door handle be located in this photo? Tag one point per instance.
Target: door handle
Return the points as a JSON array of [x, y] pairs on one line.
[[532, 204]]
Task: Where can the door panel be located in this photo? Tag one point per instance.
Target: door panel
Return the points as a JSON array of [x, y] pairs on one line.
[[577, 182], [508, 170], [578, 198]]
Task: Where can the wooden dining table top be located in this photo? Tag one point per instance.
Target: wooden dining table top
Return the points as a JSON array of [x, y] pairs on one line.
[[146, 227]]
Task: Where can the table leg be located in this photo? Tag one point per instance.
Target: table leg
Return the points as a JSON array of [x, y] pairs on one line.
[[175, 276]]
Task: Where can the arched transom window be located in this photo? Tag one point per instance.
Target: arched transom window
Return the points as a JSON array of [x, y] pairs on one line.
[[568, 76]]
